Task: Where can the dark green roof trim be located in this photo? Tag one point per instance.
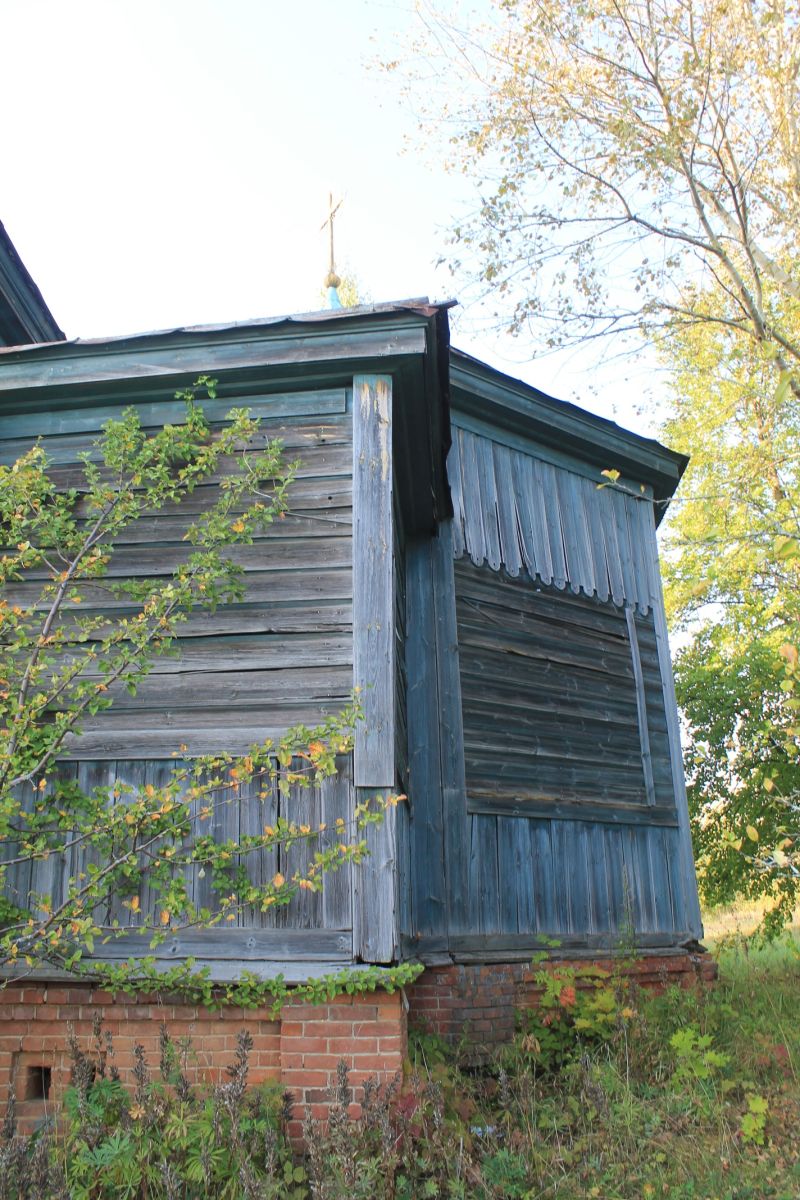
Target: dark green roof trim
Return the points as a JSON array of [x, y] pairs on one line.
[[510, 404], [24, 316], [343, 340]]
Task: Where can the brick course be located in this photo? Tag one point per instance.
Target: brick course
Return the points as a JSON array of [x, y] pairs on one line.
[[479, 1001], [300, 1049]]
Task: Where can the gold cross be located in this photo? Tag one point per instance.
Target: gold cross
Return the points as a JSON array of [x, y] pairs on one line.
[[333, 279]]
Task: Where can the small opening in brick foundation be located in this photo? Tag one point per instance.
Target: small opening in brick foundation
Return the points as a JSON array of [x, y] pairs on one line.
[[37, 1082]]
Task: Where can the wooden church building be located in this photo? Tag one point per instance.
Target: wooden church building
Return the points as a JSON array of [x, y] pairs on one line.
[[454, 549]]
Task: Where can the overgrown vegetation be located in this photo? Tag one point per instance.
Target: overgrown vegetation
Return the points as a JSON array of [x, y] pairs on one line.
[[607, 1092]]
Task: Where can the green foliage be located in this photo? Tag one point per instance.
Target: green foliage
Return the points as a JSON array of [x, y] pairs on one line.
[[617, 151], [576, 1008], [171, 1139], [732, 586]]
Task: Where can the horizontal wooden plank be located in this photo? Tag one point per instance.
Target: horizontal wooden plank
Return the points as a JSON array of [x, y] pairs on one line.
[[89, 418], [576, 810], [256, 652], [220, 971], [305, 492], [279, 585], [240, 945], [313, 523], [264, 616], [281, 554], [202, 731], [235, 689], [519, 947]]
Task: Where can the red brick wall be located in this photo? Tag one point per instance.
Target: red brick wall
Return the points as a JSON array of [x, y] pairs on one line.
[[301, 1048], [480, 1001]]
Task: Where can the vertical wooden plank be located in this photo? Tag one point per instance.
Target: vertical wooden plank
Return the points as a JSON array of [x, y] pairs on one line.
[[506, 510], [483, 874], [616, 580], [672, 852], [508, 873], [489, 502], [686, 873], [373, 582], [47, 873], [645, 514], [256, 814], [543, 876], [664, 917], [637, 532], [564, 873], [473, 517], [375, 880], [303, 806], [578, 842], [93, 775], [337, 803], [516, 875], [616, 877], [641, 706], [425, 779], [644, 879], [619, 506], [19, 876], [456, 493], [546, 474], [632, 903], [451, 731], [375, 900], [597, 541], [575, 533], [599, 900]]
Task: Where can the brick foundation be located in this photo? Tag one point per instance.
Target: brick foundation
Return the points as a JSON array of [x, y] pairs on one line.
[[301, 1048], [480, 1001]]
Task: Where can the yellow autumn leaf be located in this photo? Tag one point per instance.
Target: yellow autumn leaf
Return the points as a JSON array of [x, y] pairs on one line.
[[752, 833], [164, 917], [278, 880], [134, 904]]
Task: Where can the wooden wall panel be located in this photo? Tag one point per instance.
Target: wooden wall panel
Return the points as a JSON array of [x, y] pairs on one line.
[[512, 509], [281, 656]]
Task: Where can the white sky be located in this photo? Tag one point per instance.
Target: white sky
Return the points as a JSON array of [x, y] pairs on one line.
[[168, 162]]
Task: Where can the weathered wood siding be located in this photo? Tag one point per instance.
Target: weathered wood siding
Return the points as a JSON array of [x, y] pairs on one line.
[[281, 656], [562, 698], [236, 814], [592, 858], [549, 520]]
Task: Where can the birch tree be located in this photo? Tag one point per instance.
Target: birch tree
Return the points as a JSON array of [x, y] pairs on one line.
[[630, 158]]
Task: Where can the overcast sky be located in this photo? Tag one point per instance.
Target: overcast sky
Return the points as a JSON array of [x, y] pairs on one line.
[[168, 162]]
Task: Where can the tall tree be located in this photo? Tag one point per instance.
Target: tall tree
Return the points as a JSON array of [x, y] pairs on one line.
[[629, 156], [731, 554]]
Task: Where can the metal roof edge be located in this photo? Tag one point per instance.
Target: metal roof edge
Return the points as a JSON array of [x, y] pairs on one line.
[[419, 306], [522, 408]]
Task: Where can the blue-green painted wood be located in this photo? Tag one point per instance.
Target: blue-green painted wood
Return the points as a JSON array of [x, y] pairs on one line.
[[374, 662]]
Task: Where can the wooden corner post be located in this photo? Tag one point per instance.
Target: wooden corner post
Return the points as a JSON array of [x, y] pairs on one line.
[[375, 881]]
